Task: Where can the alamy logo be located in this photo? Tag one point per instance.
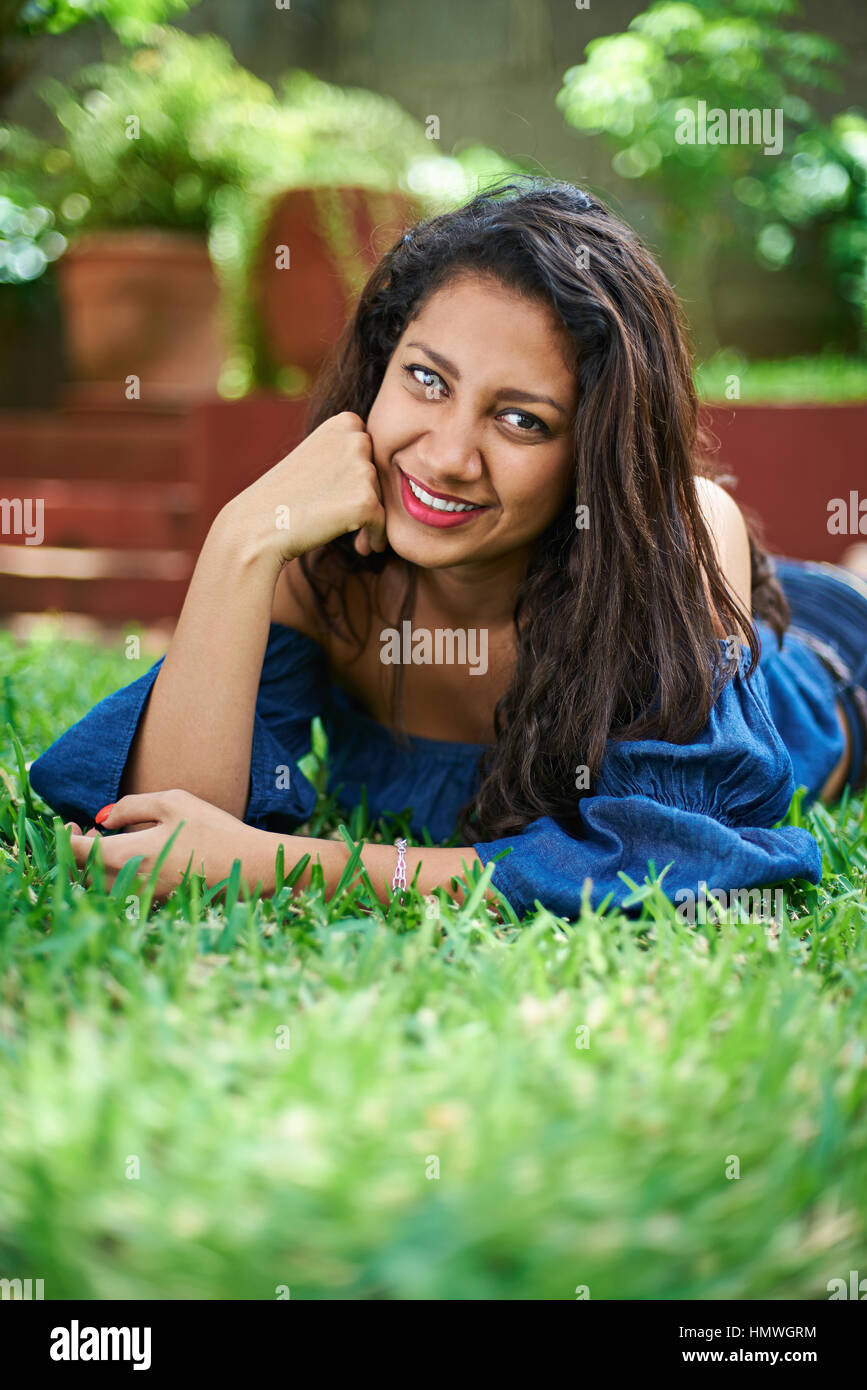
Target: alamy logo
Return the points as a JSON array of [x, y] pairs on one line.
[[738, 126], [729, 905], [22, 1288], [102, 1344], [15, 522], [444, 646], [840, 1290], [847, 521]]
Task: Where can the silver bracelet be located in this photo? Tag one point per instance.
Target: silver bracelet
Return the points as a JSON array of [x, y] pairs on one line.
[[398, 883]]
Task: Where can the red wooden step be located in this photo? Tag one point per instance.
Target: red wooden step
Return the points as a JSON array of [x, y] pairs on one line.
[[82, 445], [126, 514], [118, 600]]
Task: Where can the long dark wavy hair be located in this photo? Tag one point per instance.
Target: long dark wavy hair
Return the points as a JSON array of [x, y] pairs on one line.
[[615, 634]]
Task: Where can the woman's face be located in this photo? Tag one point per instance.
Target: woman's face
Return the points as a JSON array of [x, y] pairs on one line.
[[476, 407]]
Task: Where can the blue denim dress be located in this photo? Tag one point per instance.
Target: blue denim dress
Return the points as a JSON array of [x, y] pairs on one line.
[[707, 808]]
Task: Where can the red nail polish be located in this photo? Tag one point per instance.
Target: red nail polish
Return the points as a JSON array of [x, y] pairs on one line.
[[103, 814]]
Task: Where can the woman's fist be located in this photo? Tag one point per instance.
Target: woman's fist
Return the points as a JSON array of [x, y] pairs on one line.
[[325, 488]]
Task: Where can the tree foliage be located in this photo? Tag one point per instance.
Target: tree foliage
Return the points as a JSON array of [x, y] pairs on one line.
[[732, 55], [130, 19]]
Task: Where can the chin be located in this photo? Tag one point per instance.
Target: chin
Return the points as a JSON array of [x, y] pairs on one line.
[[435, 551]]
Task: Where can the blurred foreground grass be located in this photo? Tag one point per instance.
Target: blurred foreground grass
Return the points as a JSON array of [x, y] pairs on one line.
[[320, 1099]]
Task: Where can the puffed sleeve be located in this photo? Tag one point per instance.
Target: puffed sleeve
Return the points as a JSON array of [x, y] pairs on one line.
[[801, 700], [82, 770], [706, 809]]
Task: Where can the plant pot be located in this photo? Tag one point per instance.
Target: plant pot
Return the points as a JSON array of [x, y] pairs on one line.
[[319, 246], [141, 303]]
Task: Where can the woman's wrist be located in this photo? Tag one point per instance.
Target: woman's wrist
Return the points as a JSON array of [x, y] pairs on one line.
[[333, 855], [430, 868], [241, 536]]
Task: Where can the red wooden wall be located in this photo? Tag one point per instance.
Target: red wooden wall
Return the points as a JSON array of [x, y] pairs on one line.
[[129, 494]]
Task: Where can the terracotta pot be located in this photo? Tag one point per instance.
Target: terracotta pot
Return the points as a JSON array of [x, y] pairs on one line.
[[303, 305], [143, 303]]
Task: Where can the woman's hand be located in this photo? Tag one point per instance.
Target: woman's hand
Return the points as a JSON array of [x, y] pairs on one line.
[[212, 837], [325, 488], [214, 840]]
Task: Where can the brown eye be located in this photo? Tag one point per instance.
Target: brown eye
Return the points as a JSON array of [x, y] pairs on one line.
[[536, 426], [430, 380]]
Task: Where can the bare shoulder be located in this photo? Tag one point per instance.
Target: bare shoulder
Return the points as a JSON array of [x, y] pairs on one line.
[[727, 527], [294, 605]]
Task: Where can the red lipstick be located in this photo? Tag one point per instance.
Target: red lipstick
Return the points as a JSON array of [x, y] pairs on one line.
[[431, 516]]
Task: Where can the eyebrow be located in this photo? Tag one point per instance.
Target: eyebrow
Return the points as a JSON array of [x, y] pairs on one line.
[[511, 392]]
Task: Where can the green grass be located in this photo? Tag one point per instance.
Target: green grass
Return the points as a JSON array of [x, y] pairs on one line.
[[428, 1037], [792, 381]]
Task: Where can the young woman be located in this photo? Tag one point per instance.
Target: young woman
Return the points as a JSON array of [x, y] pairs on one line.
[[503, 468]]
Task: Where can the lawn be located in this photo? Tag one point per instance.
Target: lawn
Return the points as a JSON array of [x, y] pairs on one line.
[[828, 379], [322, 1097]]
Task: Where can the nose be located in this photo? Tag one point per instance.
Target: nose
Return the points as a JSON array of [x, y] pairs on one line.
[[449, 451]]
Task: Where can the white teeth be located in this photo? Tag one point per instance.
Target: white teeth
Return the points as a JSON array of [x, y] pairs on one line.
[[437, 503]]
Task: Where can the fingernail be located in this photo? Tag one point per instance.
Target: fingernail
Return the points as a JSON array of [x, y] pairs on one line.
[[104, 814]]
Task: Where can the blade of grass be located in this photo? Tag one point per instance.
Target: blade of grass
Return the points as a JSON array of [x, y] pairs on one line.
[[150, 886], [24, 780]]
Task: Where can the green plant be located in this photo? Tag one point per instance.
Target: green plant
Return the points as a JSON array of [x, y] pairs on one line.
[[178, 134], [29, 238], [153, 138], [130, 19], [641, 88], [29, 241], [29, 245], [23, 22], [823, 186]]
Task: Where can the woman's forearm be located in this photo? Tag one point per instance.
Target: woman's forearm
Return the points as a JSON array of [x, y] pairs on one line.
[[197, 729], [437, 868]]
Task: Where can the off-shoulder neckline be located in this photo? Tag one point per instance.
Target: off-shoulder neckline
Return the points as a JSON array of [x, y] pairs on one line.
[[348, 706], [421, 742]]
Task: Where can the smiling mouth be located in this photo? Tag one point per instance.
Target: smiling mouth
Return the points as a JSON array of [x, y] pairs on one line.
[[438, 501]]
